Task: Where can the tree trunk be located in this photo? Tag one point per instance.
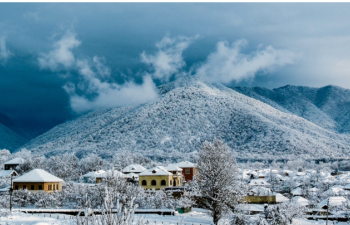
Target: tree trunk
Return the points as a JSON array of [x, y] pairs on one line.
[[215, 218]]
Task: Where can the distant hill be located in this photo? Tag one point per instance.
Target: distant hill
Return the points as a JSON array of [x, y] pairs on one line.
[[9, 139], [269, 124], [328, 107]]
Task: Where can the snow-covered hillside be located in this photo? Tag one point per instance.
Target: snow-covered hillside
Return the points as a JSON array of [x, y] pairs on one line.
[[17, 127], [328, 107], [9, 139], [189, 112]]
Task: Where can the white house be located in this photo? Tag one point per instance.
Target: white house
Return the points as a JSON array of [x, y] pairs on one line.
[[134, 168], [37, 180]]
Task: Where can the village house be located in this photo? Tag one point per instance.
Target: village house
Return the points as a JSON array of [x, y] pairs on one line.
[[157, 178], [38, 180], [258, 182], [13, 163], [93, 176], [188, 170], [177, 174], [100, 175], [134, 168], [8, 173]]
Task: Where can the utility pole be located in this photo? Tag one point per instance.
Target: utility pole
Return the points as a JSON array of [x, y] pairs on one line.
[[11, 190], [327, 210]]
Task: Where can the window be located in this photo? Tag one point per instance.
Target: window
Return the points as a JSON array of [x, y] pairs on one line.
[[174, 172], [174, 182], [40, 187], [16, 187], [144, 183], [32, 187], [56, 186], [171, 182], [24, 187], [154, 183], [163, 183], [50, 187], [187, 171]]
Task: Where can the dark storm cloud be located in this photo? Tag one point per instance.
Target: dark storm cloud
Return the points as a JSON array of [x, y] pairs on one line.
[[300, 44]]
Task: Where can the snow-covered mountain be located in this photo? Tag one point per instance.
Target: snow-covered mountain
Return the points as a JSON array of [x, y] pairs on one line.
[[9, 139], [328, 107], [190, 111], [17, 127]]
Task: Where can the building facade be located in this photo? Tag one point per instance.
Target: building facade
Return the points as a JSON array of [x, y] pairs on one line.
[[188, 170], [158, 178], [38, 180]]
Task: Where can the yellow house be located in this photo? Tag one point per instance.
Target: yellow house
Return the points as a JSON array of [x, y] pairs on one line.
[[177, 174], [157, 178], [38, 180]]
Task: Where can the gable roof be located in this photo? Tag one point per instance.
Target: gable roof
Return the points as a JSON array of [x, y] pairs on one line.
[[15, 161], [7, 173], [38, 175], [333, 201], [297, 191]]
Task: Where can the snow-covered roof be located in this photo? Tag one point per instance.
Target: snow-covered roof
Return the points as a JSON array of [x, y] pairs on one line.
[[6, 189], [15, 161], [335, 191], [260, 191], [281, 198], [347, 187], [300, 201], [132, 175], [260, 182], [156, 171], [297, 191], [314, 189], [38, 175], [185, 164], [333, 201], [172, 167], [6, 173], [94, 173], [134, 168]]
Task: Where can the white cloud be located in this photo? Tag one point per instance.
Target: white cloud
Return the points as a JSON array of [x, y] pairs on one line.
[[61, 55], [228, 64], [93, 90], [113, 95], [5, 54], [168, 59], [106, 94]]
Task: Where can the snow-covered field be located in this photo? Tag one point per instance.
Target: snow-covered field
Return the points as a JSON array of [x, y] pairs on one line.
[[196, 217]]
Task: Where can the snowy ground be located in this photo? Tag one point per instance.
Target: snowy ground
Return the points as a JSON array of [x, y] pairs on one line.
[[196, 217], [313, 222]]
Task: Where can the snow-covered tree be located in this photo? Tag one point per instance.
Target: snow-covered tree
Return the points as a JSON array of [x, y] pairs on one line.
[[219, 189], [283, 214]]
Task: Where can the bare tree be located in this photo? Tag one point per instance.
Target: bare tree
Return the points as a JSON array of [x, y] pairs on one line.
[[217, 184]]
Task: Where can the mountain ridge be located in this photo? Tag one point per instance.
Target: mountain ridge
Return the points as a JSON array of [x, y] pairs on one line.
[[188, 112]]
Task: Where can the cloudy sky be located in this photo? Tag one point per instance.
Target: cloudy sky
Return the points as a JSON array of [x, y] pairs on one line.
[[58, 61]]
